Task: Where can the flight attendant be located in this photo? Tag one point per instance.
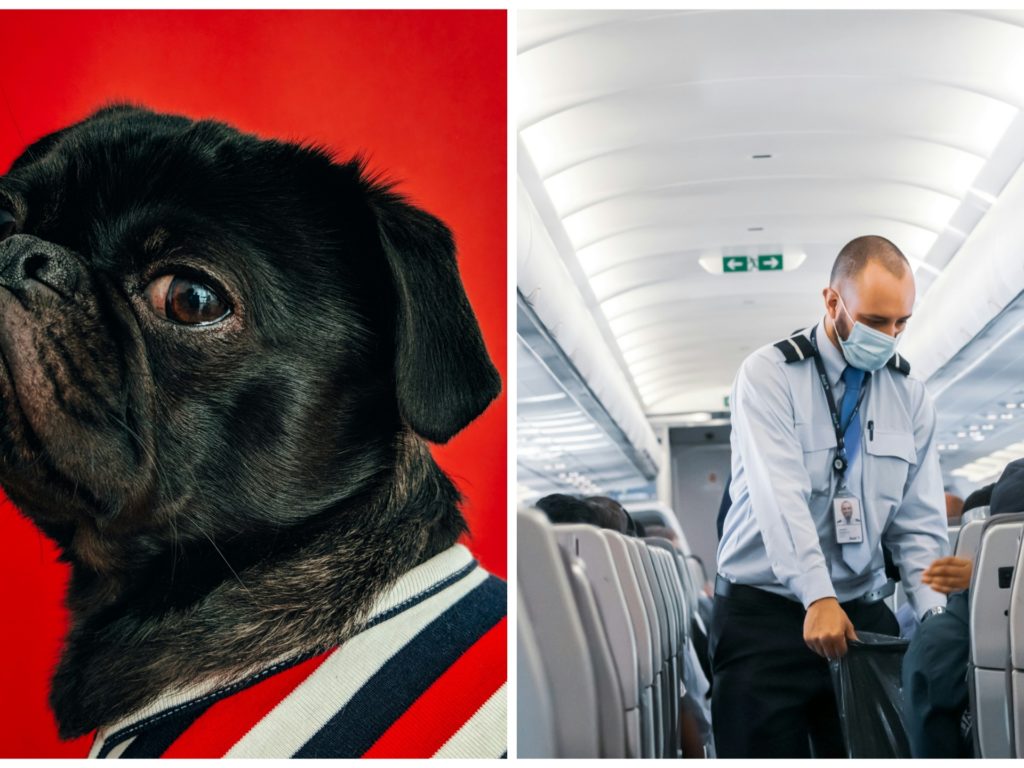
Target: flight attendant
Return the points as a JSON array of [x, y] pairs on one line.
[[833, 455]]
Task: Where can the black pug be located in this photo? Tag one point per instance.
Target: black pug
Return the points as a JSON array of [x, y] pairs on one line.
[[221, 358]]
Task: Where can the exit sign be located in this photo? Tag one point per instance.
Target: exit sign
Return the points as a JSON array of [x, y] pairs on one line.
[[735, 264], [769, 262]]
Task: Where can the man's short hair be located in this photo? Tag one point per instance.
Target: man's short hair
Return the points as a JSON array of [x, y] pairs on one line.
[[856, 254], [609, 513], [563, 508], [600, 511]]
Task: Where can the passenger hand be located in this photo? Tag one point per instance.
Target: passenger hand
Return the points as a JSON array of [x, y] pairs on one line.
[[827, 628], [949, 574]]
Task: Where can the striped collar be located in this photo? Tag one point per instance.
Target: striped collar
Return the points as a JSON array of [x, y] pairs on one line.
[[418, 597]]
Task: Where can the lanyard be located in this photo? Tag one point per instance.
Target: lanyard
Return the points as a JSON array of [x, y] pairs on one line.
[[840, 463]]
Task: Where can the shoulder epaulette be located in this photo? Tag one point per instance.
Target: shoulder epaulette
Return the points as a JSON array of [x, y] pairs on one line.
[[899, 364], [796, 348]]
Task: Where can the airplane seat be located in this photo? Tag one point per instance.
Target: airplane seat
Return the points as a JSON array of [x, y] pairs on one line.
[[669, 690], [695, 664], [591, 546], [535, 724], [975, 513], [1016, 666], [698, 628], [644, 633], [690, 583], [659, 641], [969, 538], [1000, 540], [686, 660], [676, 581], [560, 638], [670, 596], [954, 533], [611, 723]]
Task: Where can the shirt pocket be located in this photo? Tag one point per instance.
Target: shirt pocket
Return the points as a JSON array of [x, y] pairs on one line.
[[818, 442], [890, 454]]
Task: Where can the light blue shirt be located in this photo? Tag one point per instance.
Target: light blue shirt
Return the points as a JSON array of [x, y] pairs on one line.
[[779, 533]]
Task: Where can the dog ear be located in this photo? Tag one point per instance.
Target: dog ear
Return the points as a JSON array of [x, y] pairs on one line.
[[444, 378]]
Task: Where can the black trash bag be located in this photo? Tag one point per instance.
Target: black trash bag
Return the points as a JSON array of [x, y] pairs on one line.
[[869, 696]]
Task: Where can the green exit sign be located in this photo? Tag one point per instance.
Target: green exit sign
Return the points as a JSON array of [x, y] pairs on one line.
[[769, 262], [735, 264]]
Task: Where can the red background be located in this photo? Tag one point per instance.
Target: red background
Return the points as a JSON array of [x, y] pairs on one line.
[[421, 93]]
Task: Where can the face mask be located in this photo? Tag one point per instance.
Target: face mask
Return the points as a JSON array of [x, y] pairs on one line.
[[866, 348]]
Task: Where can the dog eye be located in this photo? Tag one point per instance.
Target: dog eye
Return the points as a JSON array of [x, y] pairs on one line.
[[7, 224], [186, 301]]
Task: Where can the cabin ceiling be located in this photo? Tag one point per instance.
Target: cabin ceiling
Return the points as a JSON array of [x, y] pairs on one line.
[[666, 141]]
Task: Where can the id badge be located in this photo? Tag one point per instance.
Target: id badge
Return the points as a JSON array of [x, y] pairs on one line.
[[846, 512]]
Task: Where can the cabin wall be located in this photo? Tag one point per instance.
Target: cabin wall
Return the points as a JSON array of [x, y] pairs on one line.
[[700, 468]]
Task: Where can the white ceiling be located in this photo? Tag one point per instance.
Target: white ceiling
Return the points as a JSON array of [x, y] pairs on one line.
[[642, 129]]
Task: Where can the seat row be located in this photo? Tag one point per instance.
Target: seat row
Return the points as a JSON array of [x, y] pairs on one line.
[[996, 669], [604, 651]]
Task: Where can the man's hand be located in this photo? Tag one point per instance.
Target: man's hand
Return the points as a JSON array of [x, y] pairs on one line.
[[948, 574], [827, 628]]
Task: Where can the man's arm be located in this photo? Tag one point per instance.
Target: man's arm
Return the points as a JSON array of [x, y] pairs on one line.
[[780, 490], [777, 480], [918, 534]]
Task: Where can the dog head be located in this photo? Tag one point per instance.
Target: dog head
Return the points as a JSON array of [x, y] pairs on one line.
[[203, 333]]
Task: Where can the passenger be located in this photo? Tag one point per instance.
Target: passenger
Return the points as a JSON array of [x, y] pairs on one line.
[[613, 514], [563, 508], [935, 668], [793, 584]]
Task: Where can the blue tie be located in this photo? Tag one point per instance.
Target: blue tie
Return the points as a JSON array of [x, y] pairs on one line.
[[857, 556], [853, 378]]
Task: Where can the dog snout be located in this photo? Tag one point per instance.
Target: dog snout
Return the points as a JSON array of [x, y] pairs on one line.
[[29, 265]]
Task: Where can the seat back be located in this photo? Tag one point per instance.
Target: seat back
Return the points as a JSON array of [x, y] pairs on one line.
[[989, 629], [968, 539], [954, 533], [611, 719], [668, 598], [671, 598], [535, 722], [659, 641], [590, 545], [560, 639], [975, 513], [643, 632], [1016, 672], [674, 561]]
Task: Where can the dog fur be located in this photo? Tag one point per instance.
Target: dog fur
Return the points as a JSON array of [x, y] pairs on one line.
[[226, 494]]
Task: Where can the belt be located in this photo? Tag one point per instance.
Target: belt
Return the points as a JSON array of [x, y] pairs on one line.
[[726, 588]]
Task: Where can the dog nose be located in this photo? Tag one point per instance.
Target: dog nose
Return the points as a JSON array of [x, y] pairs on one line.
[[29, 264]]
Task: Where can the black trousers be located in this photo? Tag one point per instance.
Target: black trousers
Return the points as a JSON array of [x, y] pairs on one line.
[[773, 695]]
